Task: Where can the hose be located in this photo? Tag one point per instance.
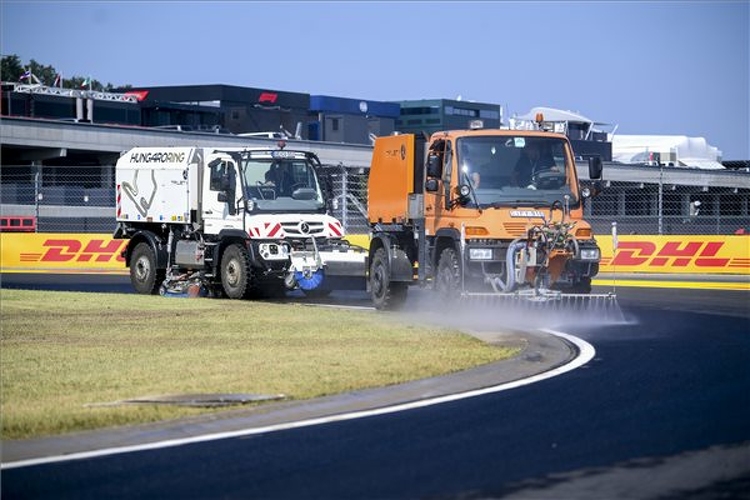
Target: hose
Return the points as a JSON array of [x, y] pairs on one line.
[[510, 259]]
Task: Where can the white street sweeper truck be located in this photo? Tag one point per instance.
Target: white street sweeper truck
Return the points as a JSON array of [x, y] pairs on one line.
[[230, 222]]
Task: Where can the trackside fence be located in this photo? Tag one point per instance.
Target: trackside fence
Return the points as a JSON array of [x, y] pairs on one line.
[[82, 200]]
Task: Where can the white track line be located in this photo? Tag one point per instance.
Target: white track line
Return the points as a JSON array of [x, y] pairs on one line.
[[586, 354]]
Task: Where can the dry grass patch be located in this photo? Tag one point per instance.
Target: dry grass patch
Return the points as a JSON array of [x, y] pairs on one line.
[[62, 351]]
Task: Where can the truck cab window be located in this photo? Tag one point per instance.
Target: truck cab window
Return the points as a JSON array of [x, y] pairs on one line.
[[222, 175]]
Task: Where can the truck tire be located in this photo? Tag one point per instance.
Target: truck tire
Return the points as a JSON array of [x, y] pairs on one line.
[[144, 275], [448, 279], [236, 273], [386, 295]]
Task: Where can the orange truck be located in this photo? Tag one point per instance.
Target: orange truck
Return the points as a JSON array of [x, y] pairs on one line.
[[480, 212]]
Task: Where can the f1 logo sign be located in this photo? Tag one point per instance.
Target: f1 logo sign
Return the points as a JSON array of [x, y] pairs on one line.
[[269, 97]]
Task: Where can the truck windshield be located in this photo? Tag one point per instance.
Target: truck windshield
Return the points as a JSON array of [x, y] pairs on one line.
[[516, 170], [282, 184]]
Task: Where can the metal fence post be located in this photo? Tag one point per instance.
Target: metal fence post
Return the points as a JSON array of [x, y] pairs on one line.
[[661, 199], [37, 194], [344, 197]]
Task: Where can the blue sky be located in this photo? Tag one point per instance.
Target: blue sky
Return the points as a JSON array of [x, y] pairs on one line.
[[667, 67]]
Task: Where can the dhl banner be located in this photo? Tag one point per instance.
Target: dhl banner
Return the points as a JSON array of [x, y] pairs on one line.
[[61, 253], [677, 254]]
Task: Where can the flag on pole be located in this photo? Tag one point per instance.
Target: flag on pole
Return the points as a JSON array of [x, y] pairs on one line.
[[58, 81], [86, 81], [26, 75]]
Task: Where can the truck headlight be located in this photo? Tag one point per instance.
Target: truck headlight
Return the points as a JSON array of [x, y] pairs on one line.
[[480, 253], [590, 254], [273, 251]]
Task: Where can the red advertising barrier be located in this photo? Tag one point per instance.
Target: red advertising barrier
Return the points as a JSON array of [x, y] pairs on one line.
[[17, 223]]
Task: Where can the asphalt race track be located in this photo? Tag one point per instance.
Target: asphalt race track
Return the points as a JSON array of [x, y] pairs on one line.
[[106, 283], [661, 411]]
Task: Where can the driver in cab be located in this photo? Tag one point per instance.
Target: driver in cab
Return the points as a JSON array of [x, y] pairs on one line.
[[530, 163], [279, 177]]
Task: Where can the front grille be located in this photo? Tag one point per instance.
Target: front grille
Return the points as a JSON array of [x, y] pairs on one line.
[[303, 229], [516, 229]]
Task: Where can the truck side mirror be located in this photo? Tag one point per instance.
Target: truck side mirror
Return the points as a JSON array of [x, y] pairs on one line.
[[231, 203], [228, 198], [216, 174], [228, 189], [595, 167], [434, 166]]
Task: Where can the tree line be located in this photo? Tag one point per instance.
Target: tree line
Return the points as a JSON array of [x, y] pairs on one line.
[[12, 70]]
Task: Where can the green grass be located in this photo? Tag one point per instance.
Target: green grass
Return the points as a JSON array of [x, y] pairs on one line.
[[64, 353]]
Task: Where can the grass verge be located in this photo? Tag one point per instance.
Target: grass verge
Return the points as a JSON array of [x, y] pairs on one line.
[[61, 352]]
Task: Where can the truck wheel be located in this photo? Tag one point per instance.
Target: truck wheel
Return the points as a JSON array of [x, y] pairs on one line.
[[236, 273], [448, 279], [144, 275], [386, 295]]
